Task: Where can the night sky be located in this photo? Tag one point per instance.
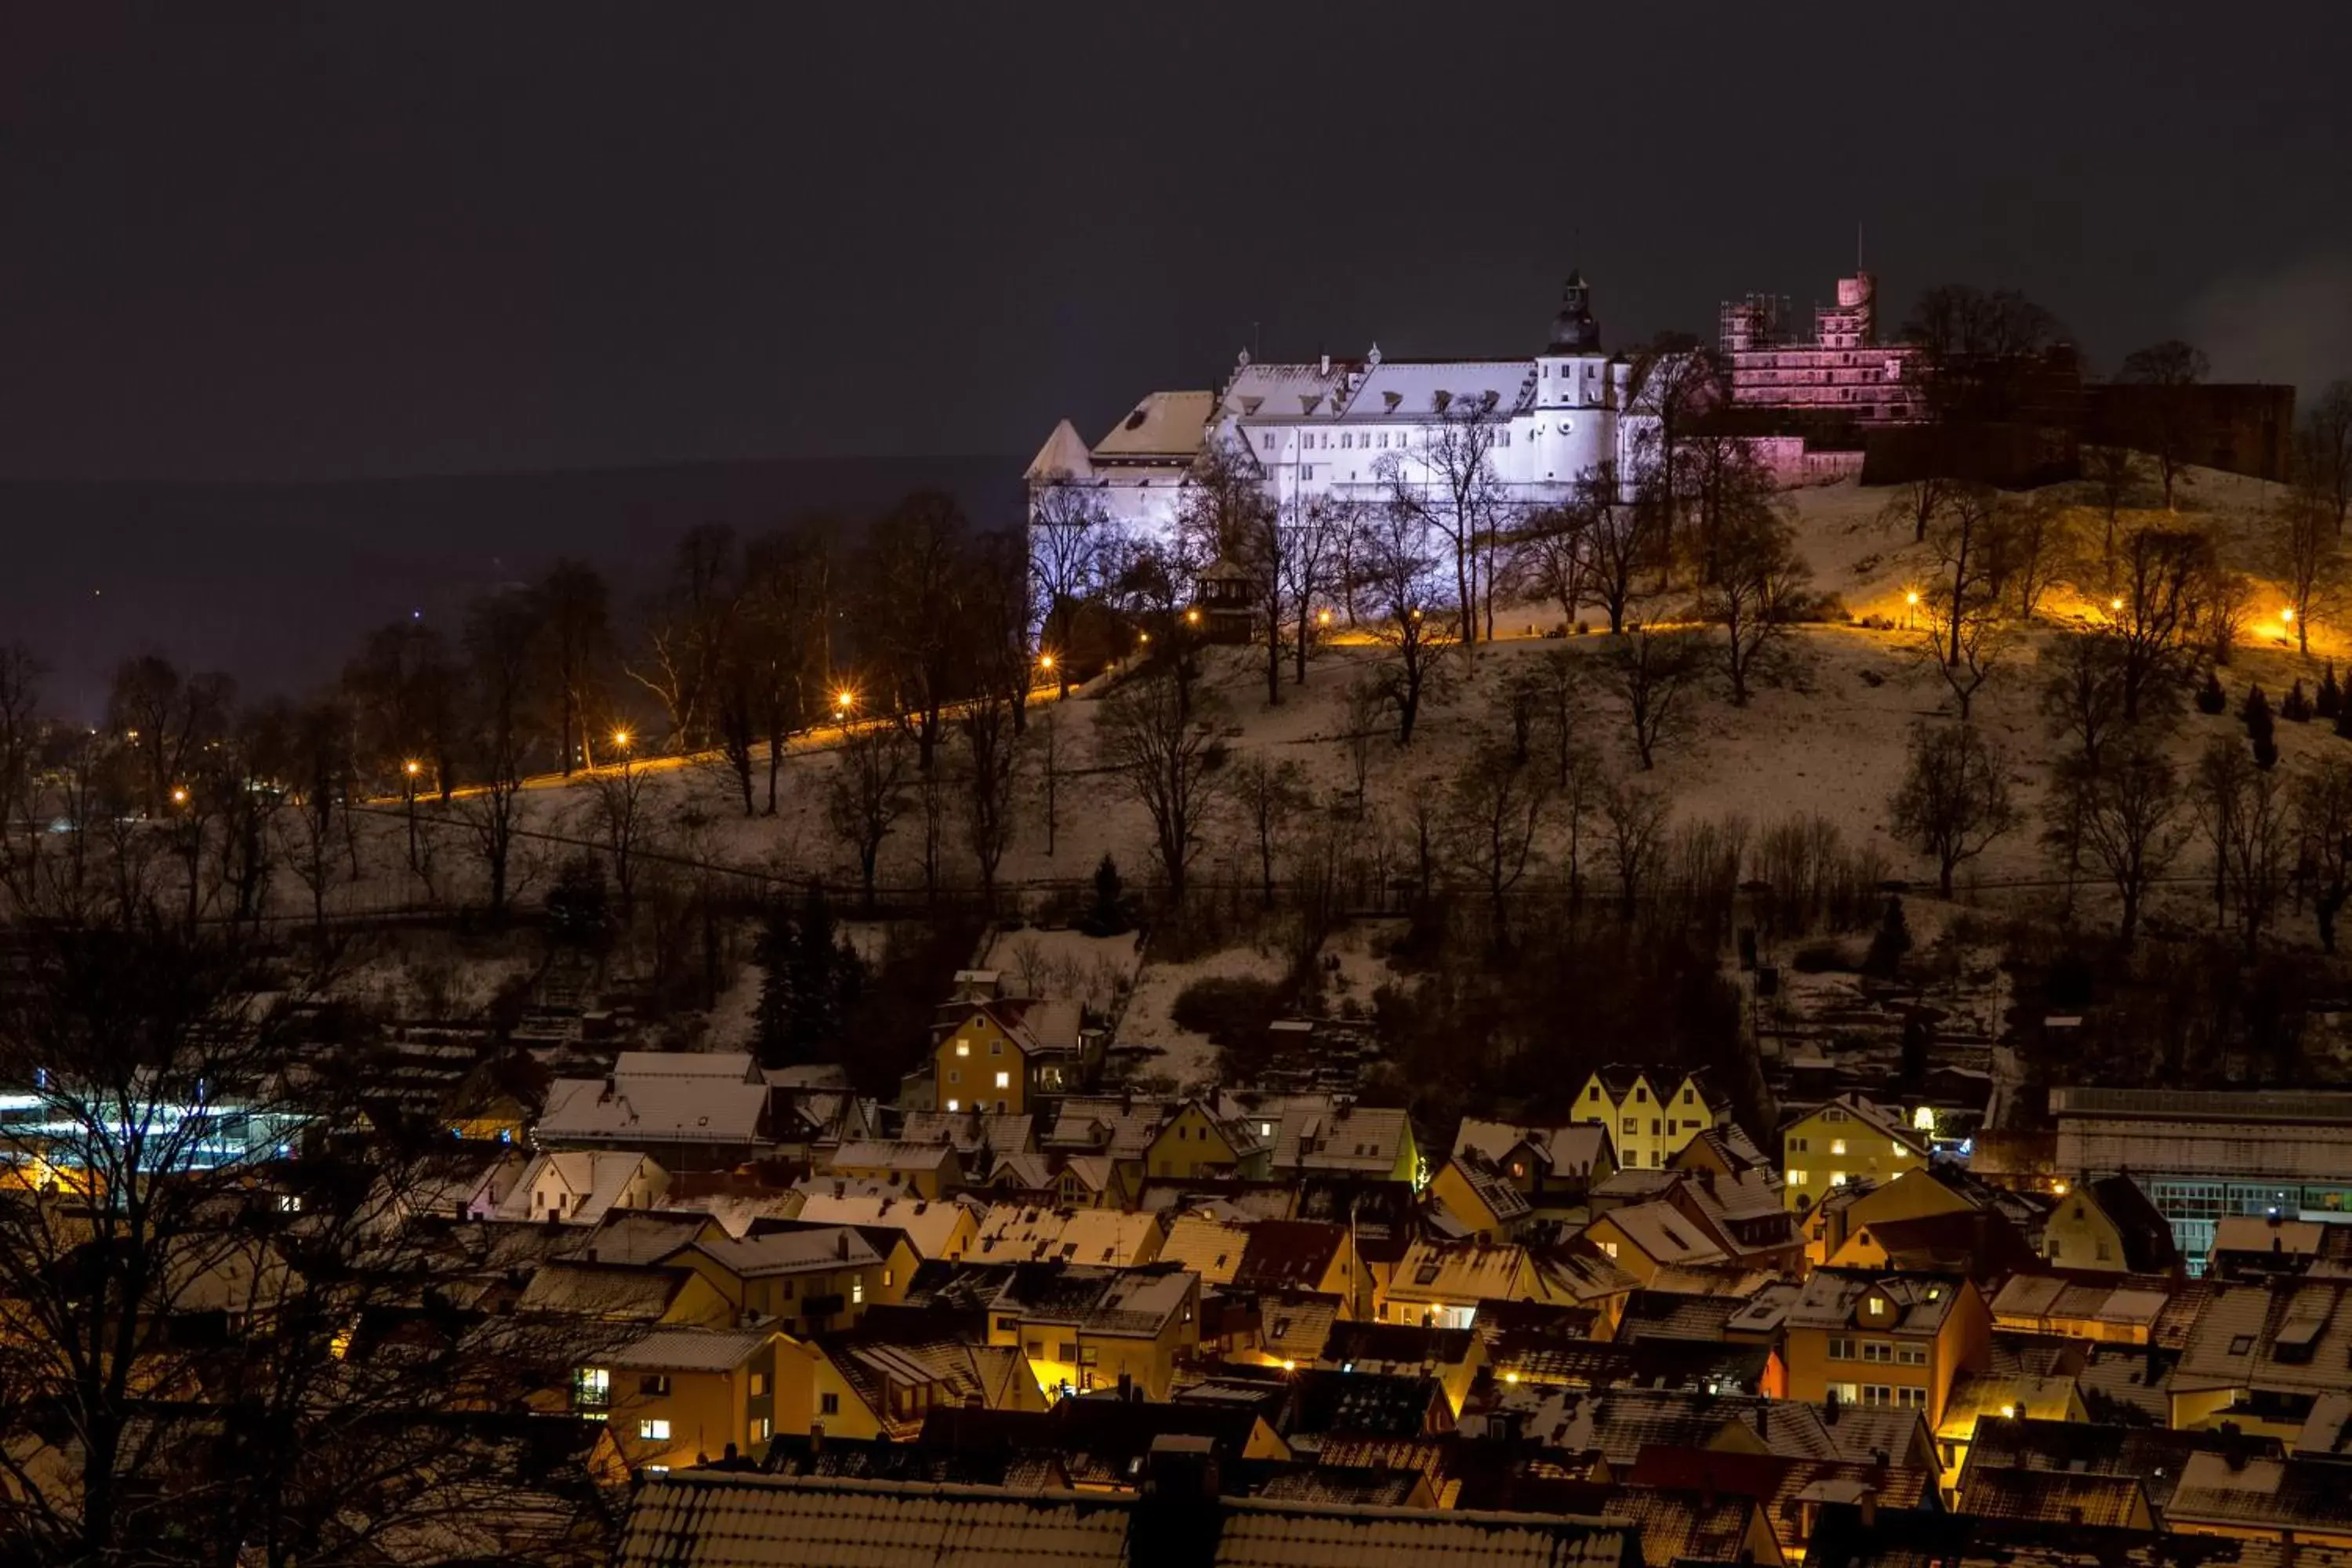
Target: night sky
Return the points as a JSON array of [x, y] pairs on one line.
[[328, 241]]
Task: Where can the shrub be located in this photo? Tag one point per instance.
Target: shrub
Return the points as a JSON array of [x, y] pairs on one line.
[[1232, 1011], [2295, 707], [2330, 700], [2260, 726], [2210, 698]]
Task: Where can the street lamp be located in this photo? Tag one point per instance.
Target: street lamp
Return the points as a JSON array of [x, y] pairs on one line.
[[1044, 661], [179, 795], [2116, 604], [1191, 617], [620, 740], [843, 701], [409, 771], [1322, 618], [1910, 603]]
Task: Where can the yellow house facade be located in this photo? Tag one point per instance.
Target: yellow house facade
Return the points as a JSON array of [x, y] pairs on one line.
[[1849, 1139], [1649, 1118]]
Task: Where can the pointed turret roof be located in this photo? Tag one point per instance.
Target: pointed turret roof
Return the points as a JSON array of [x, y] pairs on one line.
[[1064, 457]]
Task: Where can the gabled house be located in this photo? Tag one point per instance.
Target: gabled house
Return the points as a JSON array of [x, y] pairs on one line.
[[929, 1171], [1443, 1283], [1006, 1054], [1479, 1197], [1109, 1238], [1896, 1340], [1201, 1142], [942, 1228], [1335, 1136], [1555, 1168], [807, 1280], [1650, 1114], [1849, 1139], [884, 1381], [698, 1110], [680, 1396], [578, 1186], [2109, 1225]]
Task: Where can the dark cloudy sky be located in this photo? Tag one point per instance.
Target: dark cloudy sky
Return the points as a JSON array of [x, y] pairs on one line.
[[329, 240]]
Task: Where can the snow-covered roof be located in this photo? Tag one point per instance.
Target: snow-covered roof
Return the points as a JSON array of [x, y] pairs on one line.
[[664, 1108], [1015, 1233], [1063, 457], [933, 1228], [691, 1350], [1339, 1137], [1166, 425], [1319, 390], [1210, 1247], [596, 1178], [721, 1065], [779, 1252], [731, 1518]]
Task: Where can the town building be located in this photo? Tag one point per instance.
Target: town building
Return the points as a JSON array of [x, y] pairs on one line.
[[1357, 429], [1850, 1139], [1842, 371], [1649, 1115], [2200, 1155]]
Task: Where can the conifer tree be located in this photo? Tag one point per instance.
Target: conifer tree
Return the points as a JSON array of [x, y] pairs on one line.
[[2210, 698]]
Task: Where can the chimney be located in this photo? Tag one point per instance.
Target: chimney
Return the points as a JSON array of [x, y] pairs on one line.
[[1829, 1410], [1868, 1508], [1764, 1422], [1126, 1389], [816, 1440], [841, 1244]]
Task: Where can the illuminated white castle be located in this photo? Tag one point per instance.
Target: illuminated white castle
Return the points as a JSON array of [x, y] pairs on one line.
[[1352, 428]]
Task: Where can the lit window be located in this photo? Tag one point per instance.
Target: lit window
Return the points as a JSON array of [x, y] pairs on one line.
[[592, 1388], [1899, 1150], [1004, 1080], [954, 1105], [759, 1383], [760, 1428], [1837, 1145], [1837, 1178], [858, 1292], [1877, 1306], [1610, 1247], [963, 1047], [654, 1429]]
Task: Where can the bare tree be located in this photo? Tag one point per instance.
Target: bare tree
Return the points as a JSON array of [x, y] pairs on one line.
[[1632, 824], [1049, 774], [1320, 531], [167, 720], [1620, 535], [867, 793], [20, 732], [1917, 503], [2115, 473], [2324, 449], [2161, 574], [1754, 591], [1650, 673], [914, 573], [1073, 549], [686, 631], [1364, 716], [2307, 562], [2323, 822], [2083, 696], [1554, 546], [2033, 544], [2125, 812], [993, 751], [502, 635], [574, 609], [2163, 415], [1953, 800], [1412, 623], [1269, 793], [1147, 736], [1674, 382], [1451, 488], [779, 650], [1494, 802], [623, 824], [2242, 810]]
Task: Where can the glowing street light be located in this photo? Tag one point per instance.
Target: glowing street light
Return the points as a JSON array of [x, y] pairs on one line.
[[1044, 661], [2116, 604], [2287, 615], [1910, 603], [412, 767], [1322, 618], [179, 795], [621, 739], [1143, 636], [844, 700], [1191, 617]]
